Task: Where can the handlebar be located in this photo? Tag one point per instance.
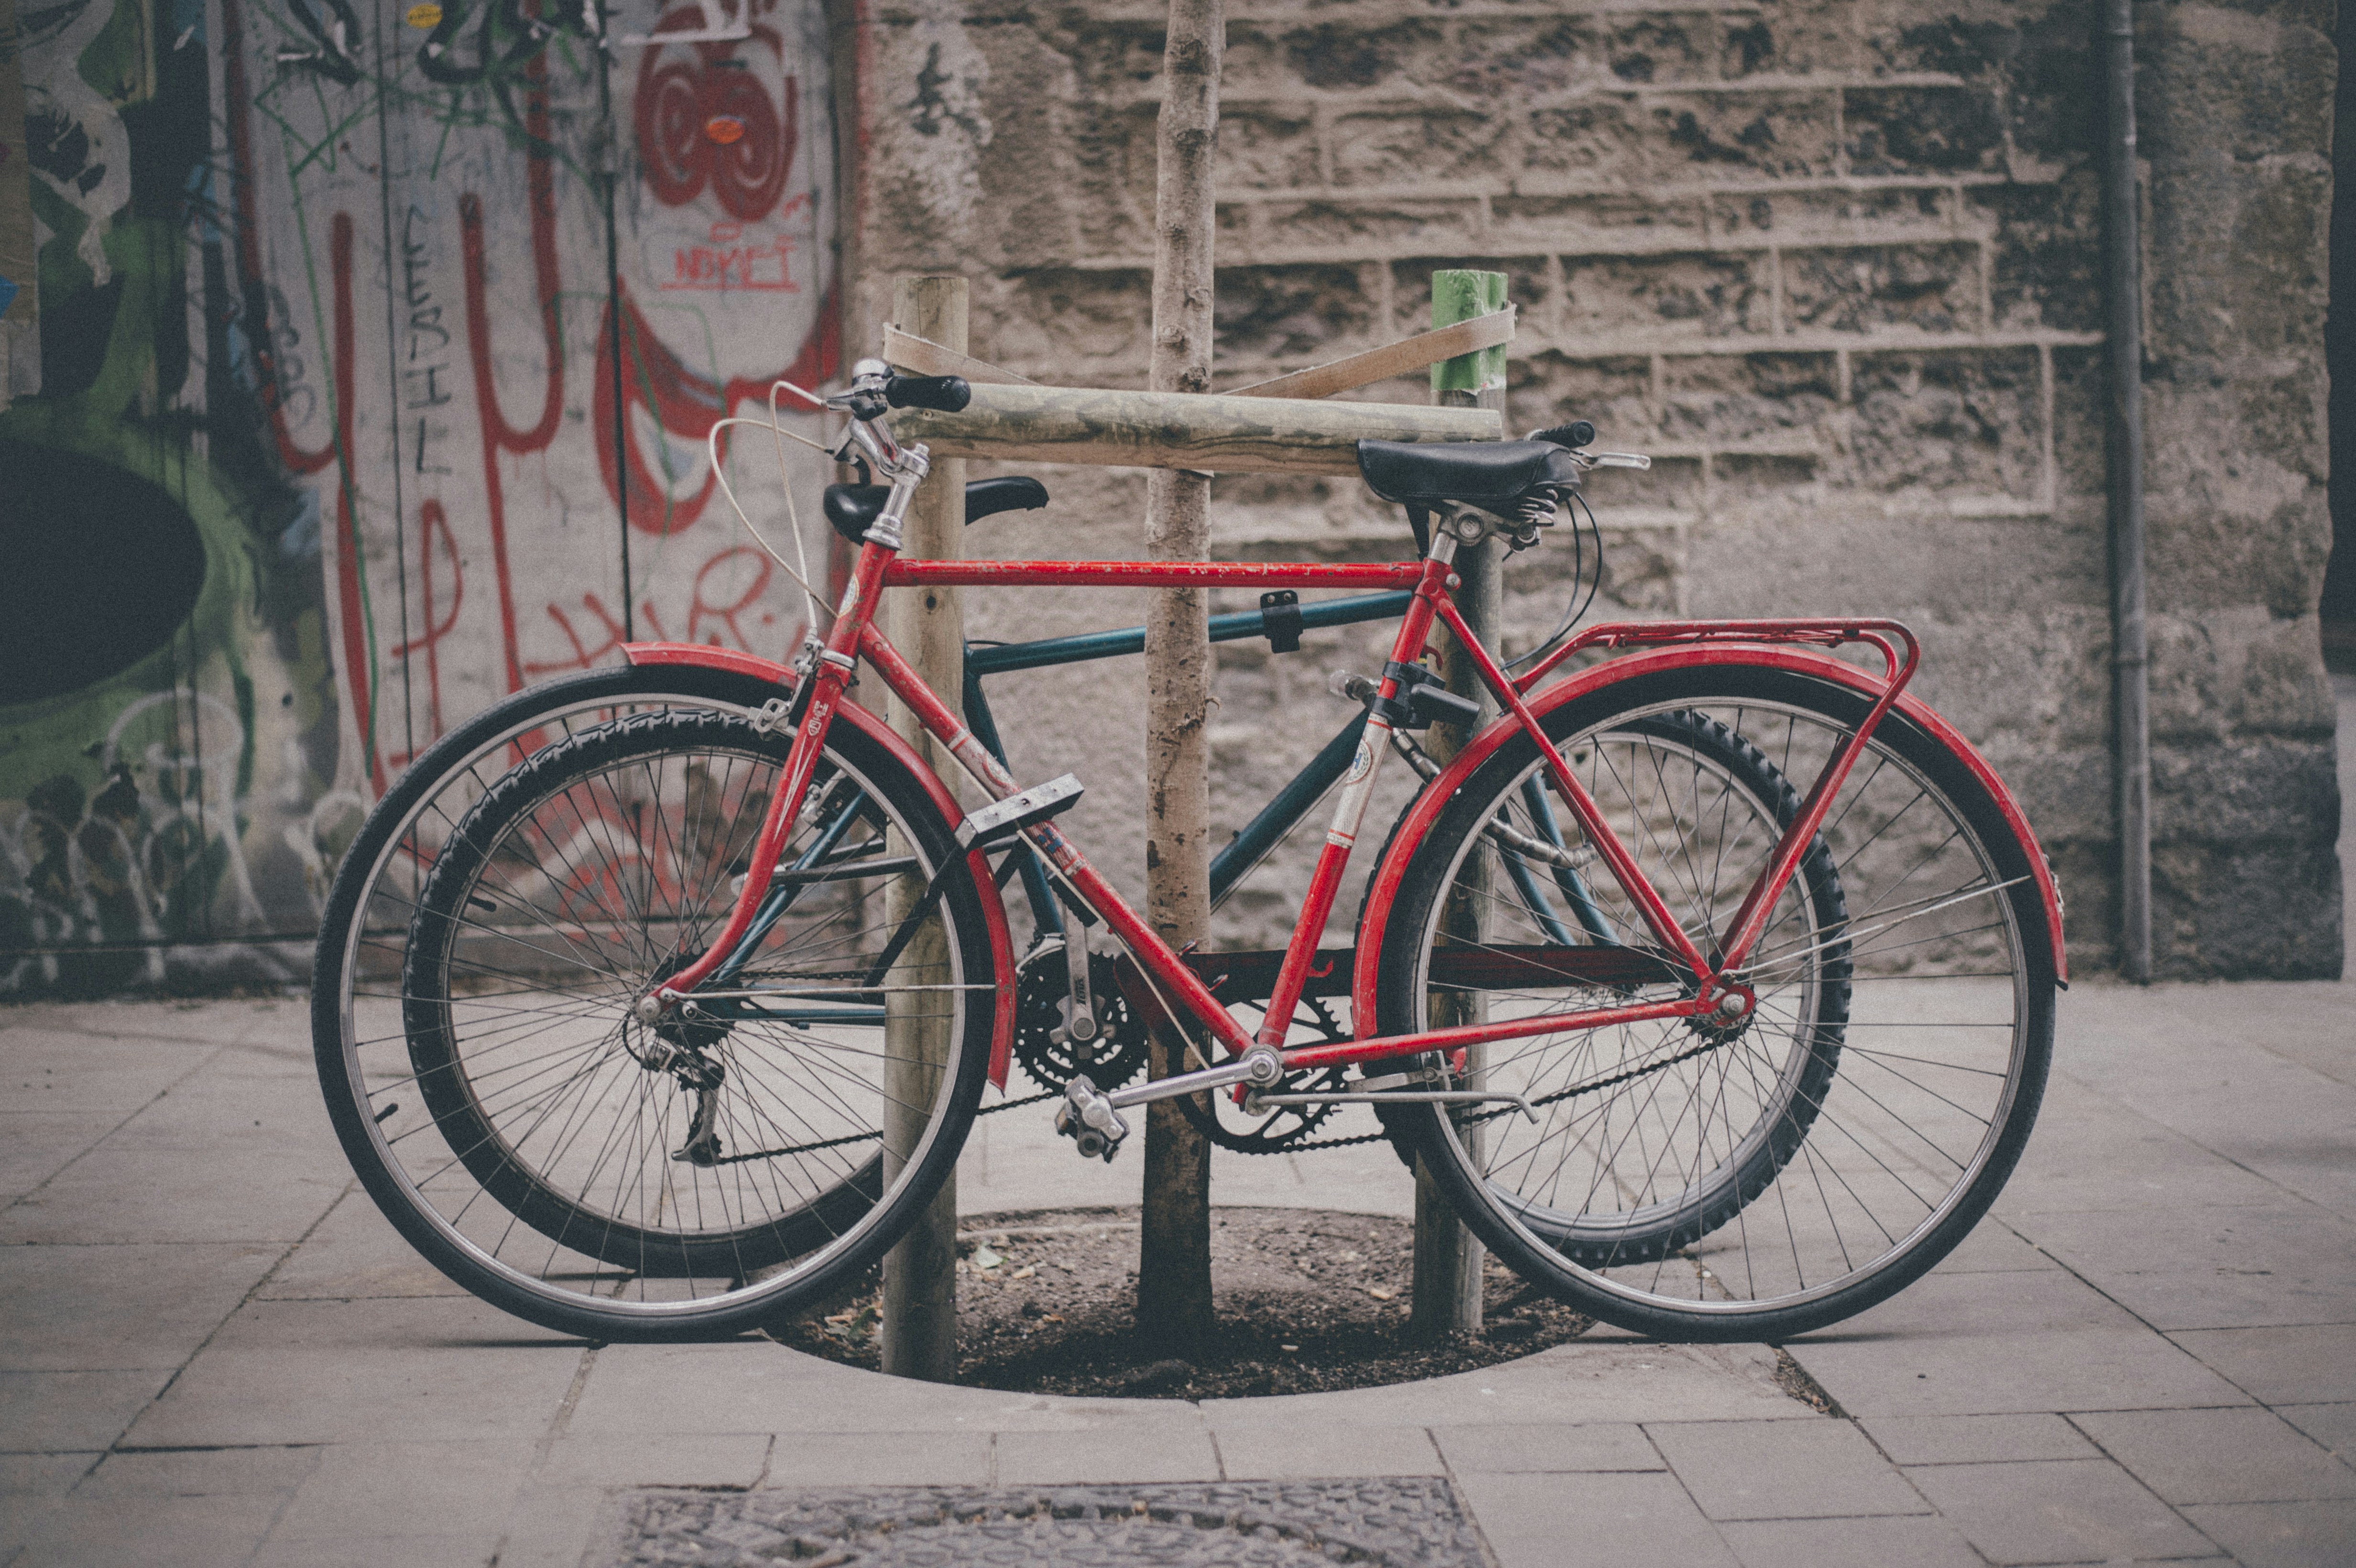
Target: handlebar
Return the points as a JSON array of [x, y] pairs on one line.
[[942, 394], [1577, 433], [876, 388]]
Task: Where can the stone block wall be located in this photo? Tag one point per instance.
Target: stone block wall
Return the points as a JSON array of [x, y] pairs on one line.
[[1835, 263]]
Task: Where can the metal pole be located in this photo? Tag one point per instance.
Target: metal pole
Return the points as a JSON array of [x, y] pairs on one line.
[[927, 624], [1174, 1265], [2130, 650], [1447, 1256]]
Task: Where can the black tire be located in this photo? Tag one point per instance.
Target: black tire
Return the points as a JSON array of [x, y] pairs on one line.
[[550, 1156], [1764, 1180]]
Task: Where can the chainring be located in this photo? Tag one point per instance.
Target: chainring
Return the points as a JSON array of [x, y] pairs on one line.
[[1281, 1127], [1042, 985]]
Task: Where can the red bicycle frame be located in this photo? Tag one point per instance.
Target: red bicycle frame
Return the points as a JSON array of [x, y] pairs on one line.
[[853, 636]]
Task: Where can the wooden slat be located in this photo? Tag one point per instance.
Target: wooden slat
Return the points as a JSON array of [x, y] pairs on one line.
[[1222, 433], [1425, 348], [923, 356]]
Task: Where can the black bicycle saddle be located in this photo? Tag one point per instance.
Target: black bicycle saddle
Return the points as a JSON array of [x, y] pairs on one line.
[[1486, 474]]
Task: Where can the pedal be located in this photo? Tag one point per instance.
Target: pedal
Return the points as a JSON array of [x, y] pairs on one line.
[[1088, 1119], [1018, 811]]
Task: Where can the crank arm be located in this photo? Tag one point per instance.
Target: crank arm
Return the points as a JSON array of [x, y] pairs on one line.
[[1253, 1103], [1259, 1065]]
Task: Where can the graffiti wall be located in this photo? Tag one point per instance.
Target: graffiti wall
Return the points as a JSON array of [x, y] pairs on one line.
[[358, 362]]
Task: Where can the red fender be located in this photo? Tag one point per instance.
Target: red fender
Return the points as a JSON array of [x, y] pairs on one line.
[[994, 909], [1436, 795]]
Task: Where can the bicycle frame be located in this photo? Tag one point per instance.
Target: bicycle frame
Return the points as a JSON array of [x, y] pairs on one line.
[[1711, 988], [1235, 860]]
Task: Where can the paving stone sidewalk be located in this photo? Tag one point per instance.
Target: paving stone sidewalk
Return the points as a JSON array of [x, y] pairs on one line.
[[218, 1353]]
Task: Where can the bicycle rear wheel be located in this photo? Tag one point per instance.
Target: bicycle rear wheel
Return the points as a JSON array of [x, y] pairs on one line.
[[1703, 1182], [535, 874]]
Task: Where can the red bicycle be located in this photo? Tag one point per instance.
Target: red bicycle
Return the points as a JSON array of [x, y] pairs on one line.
[[657, 1002]]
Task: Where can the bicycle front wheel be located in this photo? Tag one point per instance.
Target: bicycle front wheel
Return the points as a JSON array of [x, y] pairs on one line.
[[1697, 1181], [538, 871]]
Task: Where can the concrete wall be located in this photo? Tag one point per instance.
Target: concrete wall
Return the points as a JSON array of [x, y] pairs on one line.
[[1835, 264], [316, 438]]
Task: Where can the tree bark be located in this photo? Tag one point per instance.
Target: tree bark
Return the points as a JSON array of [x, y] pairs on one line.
[[1447, 1255], [1173, 1272], [927, 624]]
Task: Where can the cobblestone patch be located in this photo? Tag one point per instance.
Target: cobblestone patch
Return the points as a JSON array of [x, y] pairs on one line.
[[1398, 1523]]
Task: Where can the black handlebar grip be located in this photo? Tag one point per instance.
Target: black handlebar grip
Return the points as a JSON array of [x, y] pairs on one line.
[[942, 394], [1577, 433]]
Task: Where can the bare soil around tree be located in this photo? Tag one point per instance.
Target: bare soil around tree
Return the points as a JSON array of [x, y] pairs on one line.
[[1307, 1300]]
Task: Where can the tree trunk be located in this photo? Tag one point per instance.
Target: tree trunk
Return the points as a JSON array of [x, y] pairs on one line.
[[927, 624], [1447, 1256], [1174, 1272]]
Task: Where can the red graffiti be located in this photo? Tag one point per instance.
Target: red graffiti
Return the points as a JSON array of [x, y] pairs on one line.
[[742, 604], [249, 260], [733, 262], [678, 103], [684, 404], [498, 435], [679, 98], [583, 656], [434, 536]]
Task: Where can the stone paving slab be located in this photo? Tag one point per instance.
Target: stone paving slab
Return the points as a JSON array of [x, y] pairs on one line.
[[365, 1371], [36, 1145], [1990, 1344], [372, 1491], [2064, 1511], [2115, 1156], [198, 1508], [1547, 1520], [1811, 1469], [226, 1194], [2282, 1535], [1919, 1540], [1297, 1451], [1585, 1380], [2315, 1364], [1519, 1450], [104, 1308], [2334, 1425], [927, 1458], [354, 1252], [2186, 1267], [1975, 1439], [2244, 1455], [49, 1412]]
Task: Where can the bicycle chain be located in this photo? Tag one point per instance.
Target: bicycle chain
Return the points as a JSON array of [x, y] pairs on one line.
[[1704, 1047], [1308, 1147], [863, 1137]]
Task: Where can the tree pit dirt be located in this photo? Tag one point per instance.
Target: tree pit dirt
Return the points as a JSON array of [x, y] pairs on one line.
[[1307, 1300]]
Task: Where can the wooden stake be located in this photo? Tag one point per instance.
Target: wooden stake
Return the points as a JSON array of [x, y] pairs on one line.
[[1447, 1256], [927, 624], [1174, 1269]]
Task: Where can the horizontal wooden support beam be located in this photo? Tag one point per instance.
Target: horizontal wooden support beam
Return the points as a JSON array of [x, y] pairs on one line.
[[1210, 433]]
